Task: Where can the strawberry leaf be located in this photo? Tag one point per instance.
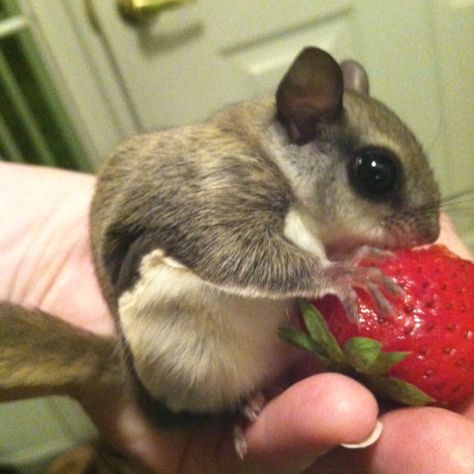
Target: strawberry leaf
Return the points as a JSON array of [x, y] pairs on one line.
[[366, 356], [398, 390], [362, 353], [302, 340], [320, 334], [385, 361]]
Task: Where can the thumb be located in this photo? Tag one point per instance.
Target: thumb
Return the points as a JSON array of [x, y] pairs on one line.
[[308, 419]]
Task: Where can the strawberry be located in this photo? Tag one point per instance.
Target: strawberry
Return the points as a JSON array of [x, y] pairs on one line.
[[424, 352]]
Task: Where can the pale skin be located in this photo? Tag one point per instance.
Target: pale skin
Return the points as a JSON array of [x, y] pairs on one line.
[[45, 262]]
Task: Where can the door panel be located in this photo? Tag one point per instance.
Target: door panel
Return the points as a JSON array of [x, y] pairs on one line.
[[262, 63], [193, 60], [454, 37], [190, 61]]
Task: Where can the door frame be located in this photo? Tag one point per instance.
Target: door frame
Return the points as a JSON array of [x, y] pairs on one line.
[[83, 73]]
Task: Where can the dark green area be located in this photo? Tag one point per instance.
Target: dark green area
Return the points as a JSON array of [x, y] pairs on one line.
[[34, 125]]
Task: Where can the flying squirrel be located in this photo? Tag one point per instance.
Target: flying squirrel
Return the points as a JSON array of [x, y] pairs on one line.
[[205, 236]]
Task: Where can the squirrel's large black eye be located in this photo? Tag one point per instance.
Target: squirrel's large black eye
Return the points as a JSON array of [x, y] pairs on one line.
[[375, 172]]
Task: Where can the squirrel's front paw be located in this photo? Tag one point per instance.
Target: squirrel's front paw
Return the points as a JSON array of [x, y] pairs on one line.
[[344, 277]]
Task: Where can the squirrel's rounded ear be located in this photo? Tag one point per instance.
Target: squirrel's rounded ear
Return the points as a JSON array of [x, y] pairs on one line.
[[355, 77], [310, 94]]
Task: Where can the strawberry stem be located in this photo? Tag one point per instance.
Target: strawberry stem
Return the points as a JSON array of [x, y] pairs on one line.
[[320, 334], [366, 356], [361, 357]]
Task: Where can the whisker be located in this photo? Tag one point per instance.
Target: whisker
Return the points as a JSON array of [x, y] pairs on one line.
[[460, 203], [467, 194], [460, 206]]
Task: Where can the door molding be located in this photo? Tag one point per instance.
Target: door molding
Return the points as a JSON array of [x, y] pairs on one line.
[[82, 72]]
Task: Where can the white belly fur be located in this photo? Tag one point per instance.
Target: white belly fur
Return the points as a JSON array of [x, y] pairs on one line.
[[196, 347]]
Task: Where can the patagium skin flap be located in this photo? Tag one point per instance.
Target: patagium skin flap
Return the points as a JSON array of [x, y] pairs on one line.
[[203, 236]]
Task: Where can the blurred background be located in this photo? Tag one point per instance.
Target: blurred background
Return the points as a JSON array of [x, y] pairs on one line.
[[79, 76]]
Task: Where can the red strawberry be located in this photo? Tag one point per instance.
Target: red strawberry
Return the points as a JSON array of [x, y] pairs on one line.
[[424, 352]]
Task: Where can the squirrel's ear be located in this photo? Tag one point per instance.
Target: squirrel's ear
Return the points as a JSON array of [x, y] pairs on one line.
[[310, 94], [355, 77]]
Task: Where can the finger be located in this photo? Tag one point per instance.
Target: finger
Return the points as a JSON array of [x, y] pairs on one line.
[[421, 440], [308, 419], [466, 407], [449, 238], [121, 423]]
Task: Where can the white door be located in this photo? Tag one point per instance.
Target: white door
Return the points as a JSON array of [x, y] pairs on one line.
[[193, 59], [189, 61]]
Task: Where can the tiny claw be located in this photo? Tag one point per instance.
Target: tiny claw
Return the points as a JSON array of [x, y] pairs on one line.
[[348, 299], [393, 288], [240, 443], [249, 411], [345, 277], [384, 307], [371, 253], [252, 408]]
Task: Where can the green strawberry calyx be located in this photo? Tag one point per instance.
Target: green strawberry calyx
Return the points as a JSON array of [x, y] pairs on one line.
[[359, 357]]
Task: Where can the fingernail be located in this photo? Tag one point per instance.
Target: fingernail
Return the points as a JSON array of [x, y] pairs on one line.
[[240, 444], [373, 437]]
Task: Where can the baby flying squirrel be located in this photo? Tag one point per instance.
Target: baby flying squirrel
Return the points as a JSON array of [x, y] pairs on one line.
[[204, 236]]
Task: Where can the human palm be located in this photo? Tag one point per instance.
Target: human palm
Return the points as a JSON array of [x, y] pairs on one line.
[[45, 261]]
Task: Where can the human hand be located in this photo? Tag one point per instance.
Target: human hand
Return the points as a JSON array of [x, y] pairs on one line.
[[415, 440], [45, 261]]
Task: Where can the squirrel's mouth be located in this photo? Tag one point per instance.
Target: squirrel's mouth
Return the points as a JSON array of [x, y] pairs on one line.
[[344, 249], [394, 235]]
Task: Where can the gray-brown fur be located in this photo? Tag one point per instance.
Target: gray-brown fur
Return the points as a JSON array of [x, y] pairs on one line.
[[213, 197], [43, 353], [218, 209]]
